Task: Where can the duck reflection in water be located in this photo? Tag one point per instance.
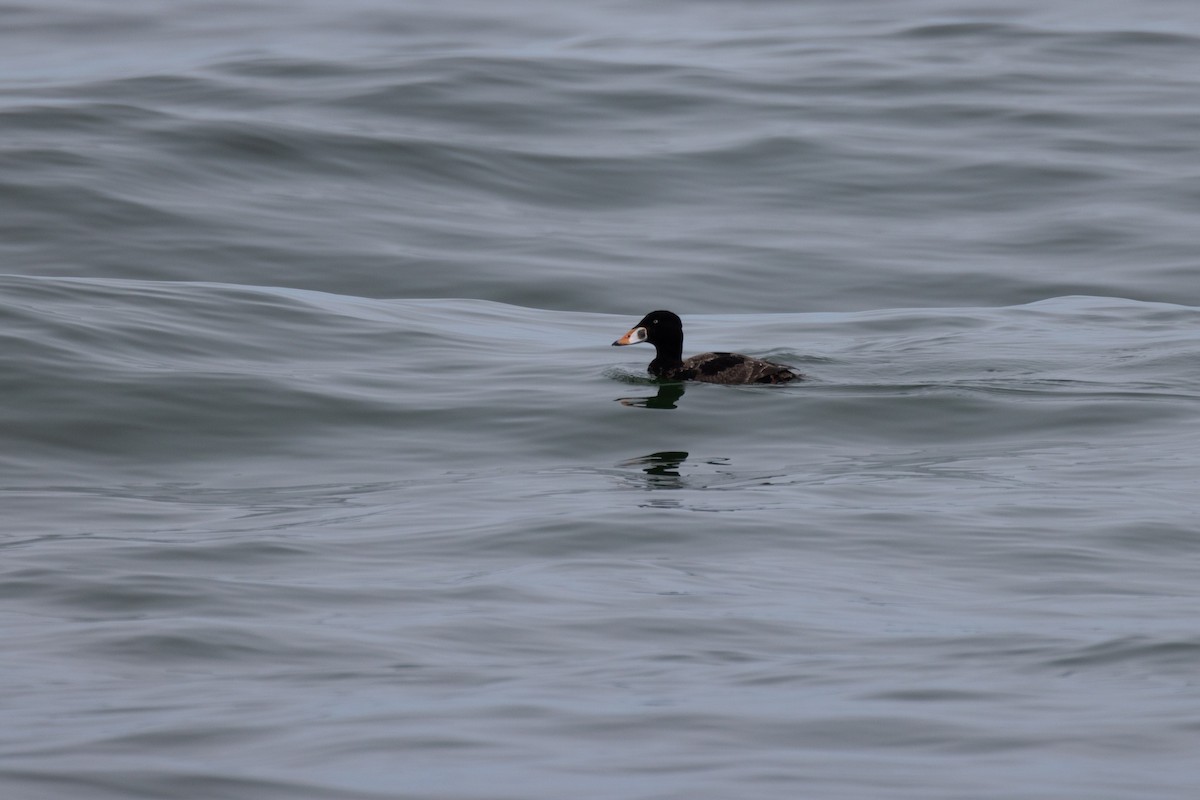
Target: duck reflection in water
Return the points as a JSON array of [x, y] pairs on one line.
[[668, 394], [662, 468]]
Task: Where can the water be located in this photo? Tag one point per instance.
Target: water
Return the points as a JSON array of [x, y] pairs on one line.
[[320, 478]]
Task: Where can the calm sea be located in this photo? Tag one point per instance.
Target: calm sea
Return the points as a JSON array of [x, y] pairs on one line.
[[319, 479]]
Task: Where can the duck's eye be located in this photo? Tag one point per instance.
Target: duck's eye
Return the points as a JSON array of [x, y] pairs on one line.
[[653, 322]]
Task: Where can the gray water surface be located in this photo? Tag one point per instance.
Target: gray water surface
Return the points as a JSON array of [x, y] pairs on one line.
[[320, 479]]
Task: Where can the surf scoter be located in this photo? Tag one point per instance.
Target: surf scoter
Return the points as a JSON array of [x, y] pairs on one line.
[[664, 330]]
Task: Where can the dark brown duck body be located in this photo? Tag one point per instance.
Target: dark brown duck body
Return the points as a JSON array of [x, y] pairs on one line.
[[664, 330]]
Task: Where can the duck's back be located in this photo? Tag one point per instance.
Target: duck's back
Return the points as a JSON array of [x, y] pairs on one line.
[[731, 368]]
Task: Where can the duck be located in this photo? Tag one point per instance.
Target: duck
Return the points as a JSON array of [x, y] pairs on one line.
[[664, 330]]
